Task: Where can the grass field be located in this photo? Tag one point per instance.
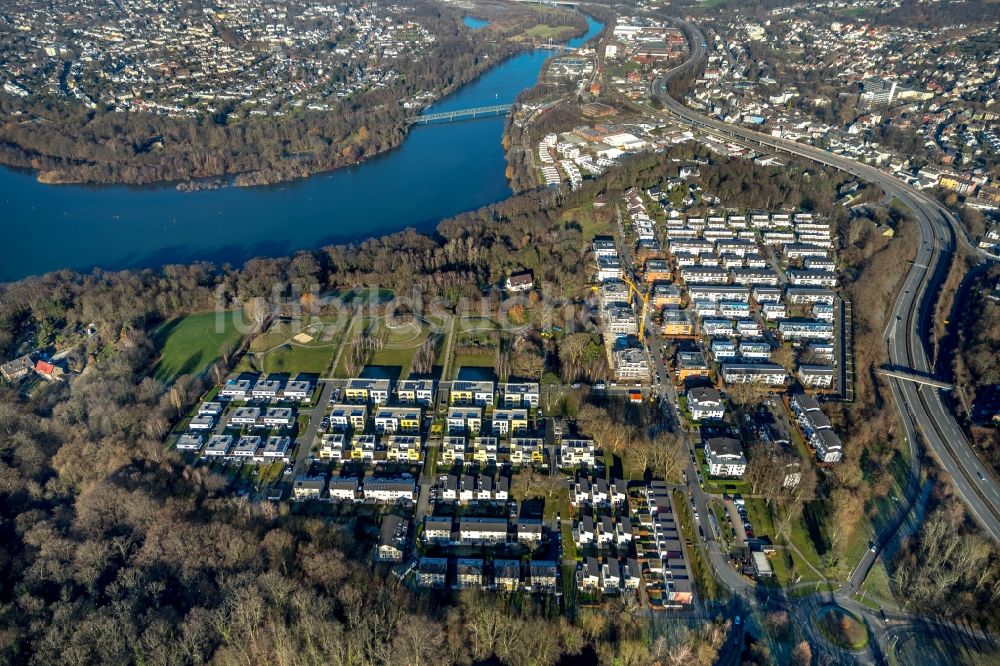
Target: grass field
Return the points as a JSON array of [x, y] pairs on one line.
[[189, 345], [841, 628], [400, 347], [277, 350]]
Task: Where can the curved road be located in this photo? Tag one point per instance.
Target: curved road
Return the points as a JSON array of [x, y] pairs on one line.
[[921, 407]]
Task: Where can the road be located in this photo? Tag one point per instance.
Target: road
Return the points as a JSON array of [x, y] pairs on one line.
[[304, 442], [908, 335]]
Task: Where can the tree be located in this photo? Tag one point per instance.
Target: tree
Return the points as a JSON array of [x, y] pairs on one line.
[[667, 455], [747, 395], [784, 356], [802, 654]]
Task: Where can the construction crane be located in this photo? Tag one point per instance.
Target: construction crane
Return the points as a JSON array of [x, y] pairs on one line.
[[632, 290]]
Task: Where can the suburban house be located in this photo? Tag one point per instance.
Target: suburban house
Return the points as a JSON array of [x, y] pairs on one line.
[[363, 448], [266, 389], [437, 529], [725, 457], [543, 575], [389, 490], [816, 376], [468, 393], [469, 572], [392, 539], [509, 421], [527, 451], [331, 446], [279, 417], [453, 449], [482, 530], [359, 389], [247, 446], [48, 370], [522, 281], [432, 572], [276, 448], [298, 389], [529, 531], [245, 416], [305, 487], [574, 452], [468, 420], [403, 448], [507, 575], [189, 442], [705, 403], [519, 394], [236, 388], [18, 368], [346, 416], [343, 488], [415, 391], [218, 445], [397, 419]]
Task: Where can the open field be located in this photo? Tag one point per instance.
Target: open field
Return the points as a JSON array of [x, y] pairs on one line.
[[294, 346], [400, 344], [189, 345]]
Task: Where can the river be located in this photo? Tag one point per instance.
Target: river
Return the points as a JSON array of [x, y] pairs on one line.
[[439, 171]]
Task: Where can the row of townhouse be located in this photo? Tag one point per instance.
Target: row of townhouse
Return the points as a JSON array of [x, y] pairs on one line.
[[596, 492], [719, 325], [481, 531], [459, 449], [504, 422], [660, 545], [369, 449], [805, 329], [577, 452], [768, 374], [467, 488], [604, 531], [817, 428], [262, 387], [255, 417], [816, 376], [500, 574], [609, 575], [382, 490], [248, 447]]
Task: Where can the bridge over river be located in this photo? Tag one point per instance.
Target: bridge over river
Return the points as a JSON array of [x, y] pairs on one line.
[[459, 114]]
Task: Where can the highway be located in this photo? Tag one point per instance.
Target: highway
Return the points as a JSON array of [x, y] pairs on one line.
[[907, 335]]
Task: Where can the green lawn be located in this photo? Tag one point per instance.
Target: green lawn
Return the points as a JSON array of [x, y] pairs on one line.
[[842, 628], [471, 361], [293, 359], [401, 344], [189, 345], [876, 585], [800, 537]]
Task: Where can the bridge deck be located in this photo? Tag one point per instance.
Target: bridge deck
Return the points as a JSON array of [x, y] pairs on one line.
[[496, 109]]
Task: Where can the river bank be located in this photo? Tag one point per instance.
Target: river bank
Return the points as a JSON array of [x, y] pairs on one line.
[[440, 170]]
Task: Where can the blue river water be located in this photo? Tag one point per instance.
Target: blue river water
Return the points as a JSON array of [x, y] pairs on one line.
[[440, 170]]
